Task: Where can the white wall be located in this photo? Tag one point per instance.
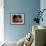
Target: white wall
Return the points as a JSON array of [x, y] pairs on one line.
[[1, 21]]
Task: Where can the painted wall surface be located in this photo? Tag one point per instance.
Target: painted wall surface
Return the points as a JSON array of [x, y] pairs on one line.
[[1, 21], [43, 6], [28, 7]]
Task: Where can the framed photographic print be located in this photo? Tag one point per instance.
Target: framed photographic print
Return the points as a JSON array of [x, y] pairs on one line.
[[17, 18]]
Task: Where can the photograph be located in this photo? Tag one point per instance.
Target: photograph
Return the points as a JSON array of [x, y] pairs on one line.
[[17, 18]]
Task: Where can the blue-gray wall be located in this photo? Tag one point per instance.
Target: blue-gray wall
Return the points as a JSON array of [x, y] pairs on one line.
[[29, 8]]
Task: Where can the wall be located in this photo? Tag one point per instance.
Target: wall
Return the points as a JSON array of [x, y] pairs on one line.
[[28, 7], [43, 6], [1, 21]]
